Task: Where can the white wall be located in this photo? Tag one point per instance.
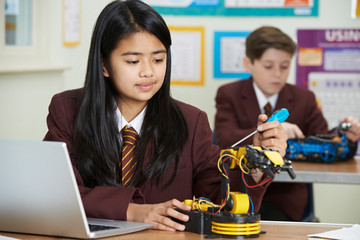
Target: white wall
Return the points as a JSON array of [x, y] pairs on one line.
[[24, 97]]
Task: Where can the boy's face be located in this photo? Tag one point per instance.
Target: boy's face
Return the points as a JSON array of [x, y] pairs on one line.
[[270, 72]]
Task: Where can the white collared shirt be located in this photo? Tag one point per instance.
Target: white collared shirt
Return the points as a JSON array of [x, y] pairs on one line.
[[136, 123], [263, 100]]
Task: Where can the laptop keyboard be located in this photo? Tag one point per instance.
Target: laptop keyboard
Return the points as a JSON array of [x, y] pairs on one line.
[[95, 228]]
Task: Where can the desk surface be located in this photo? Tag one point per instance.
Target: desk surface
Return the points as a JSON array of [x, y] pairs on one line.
[[274, 231], [347, 172]]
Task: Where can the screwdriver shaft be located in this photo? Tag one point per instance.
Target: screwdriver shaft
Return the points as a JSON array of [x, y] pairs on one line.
[[241, 140]]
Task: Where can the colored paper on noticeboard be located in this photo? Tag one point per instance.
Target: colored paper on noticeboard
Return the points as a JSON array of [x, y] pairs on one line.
[[289, 8]]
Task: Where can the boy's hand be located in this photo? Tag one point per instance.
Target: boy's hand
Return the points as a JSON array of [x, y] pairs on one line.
[[271, 135], [292, 130], [354, 132]]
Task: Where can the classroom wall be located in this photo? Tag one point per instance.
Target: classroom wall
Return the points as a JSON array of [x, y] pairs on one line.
[[24, 97]]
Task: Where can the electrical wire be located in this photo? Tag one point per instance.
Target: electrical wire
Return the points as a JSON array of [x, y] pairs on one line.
[[221, 166], [252, 204], [257, 185]]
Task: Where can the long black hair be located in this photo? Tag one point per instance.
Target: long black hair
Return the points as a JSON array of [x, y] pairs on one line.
[[97, 141]]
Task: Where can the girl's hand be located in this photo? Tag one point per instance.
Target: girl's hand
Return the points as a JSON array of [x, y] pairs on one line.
[[354, 132], [271, 135], [159, 214]]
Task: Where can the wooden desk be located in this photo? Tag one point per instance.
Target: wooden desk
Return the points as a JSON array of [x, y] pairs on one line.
[[347, 172], [274, 231]]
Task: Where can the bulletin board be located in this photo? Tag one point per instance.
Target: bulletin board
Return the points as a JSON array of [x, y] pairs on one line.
[[236, 7], [71, 22], [328, 63], [229, 52], [187, 55]]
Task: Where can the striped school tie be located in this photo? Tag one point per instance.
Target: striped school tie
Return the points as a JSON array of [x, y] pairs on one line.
[[267, 109], [129, 136]]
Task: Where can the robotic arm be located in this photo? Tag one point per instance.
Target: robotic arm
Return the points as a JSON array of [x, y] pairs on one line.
[[246, 158], [232, 216]]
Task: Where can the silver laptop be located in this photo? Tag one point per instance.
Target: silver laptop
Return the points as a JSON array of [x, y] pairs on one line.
[[39, 194]]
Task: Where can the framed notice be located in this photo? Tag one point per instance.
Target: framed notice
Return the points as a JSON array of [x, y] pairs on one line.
[[71, 22], [355, 8], [229, 52], [187, 55]]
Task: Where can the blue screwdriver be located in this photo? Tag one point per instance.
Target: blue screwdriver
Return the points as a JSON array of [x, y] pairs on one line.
[[280, 115]]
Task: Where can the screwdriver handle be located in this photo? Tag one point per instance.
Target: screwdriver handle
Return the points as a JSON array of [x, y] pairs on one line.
[[280, 115]]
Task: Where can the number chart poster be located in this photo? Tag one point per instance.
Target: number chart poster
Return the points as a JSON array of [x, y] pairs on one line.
[[328, 63]]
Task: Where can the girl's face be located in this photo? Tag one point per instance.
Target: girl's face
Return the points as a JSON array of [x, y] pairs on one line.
[[270, 71], [138, 66]]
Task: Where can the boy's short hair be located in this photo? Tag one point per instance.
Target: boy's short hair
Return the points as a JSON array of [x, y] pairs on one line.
[[267, 37]]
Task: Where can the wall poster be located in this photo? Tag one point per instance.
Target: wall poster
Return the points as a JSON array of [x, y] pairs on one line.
[[71, 22], [328, 63], [302, 8], [229, 52], [187, 55]]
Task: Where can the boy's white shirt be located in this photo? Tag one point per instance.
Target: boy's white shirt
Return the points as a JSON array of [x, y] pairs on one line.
[[263, 100]]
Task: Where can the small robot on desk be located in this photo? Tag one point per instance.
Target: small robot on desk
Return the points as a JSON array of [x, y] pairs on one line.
[[323, 148]]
